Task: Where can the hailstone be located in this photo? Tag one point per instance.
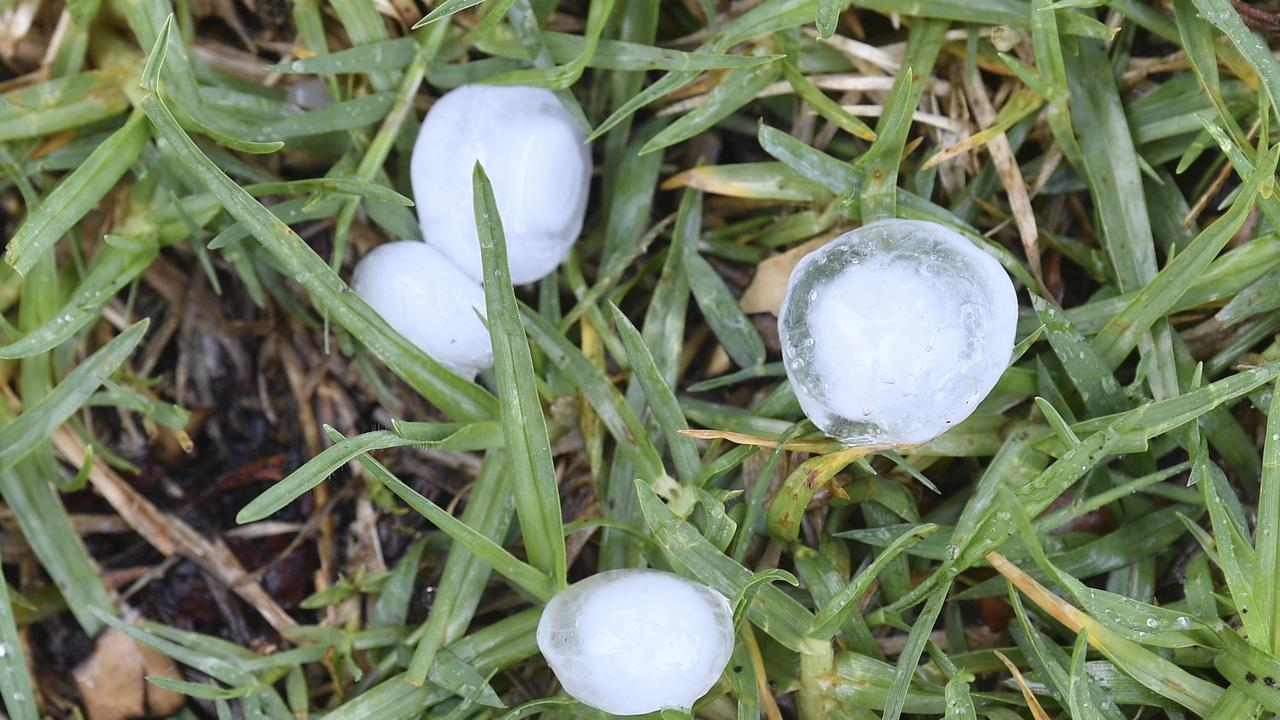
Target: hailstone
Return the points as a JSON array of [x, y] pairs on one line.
[[536, 157], [427, 299], [630, 642], [894, 332]]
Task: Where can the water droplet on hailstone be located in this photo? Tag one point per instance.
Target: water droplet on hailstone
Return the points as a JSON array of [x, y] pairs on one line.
[[871, 322], [536, 157], [635, 641]]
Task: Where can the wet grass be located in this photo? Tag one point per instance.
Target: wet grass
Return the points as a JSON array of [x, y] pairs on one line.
[[210, 445]]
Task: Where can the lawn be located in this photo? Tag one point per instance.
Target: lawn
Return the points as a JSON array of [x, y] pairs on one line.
[[231, 490]]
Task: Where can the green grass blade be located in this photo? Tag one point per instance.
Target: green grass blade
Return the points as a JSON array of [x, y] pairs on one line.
[[15, 682], [879, 166], [445, 9], [1266, 597], [61, 104], [613, 54], [379, 56], [730, 324], [984, 12], [533, 475], [1111, 166], [364, 24], [77, 194], [764, 18], [1222, 15], [834, 613], [1251, 671], [773, 611], [477, 436], [108, 274], [1158, 296], [563, 76], [823, 105], [660, 397], [36, 423], [738, 88], [1151, 670], [465, 574], [828, 17], [521, 573], [1235, 555], [458, 398], [392, 608], [346, 115], [909, 658], [609, 404], [337, 185], [1094, 381]]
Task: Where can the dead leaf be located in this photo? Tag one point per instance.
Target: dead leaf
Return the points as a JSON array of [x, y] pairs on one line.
[[113, 683], [15, 23], [769, 286]]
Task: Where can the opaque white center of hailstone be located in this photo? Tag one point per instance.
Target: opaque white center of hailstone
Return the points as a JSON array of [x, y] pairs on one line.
[[635, 641], [429, 301], [536, 158], [894, 332]]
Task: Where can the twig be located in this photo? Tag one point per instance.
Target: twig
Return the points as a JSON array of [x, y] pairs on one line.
[[170, 535], [1257, 18]]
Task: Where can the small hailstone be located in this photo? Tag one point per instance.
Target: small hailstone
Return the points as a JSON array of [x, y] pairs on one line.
[[535, 155], [311, 94], [635, 641], [894, 332], [427, 299]]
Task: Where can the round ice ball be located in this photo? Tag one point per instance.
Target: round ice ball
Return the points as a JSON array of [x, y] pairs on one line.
[[634, 641], [427, 299], [894, 332], [536, 157]]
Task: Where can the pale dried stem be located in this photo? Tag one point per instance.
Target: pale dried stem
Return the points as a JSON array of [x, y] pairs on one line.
[[170, 535], [1010, 175]]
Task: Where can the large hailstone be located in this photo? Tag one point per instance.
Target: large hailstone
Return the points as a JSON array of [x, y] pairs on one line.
[[634, 641], [535, 155], [894, 332], [427, 299]]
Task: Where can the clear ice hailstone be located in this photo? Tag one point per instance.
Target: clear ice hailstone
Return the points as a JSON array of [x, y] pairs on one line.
[[635, 641], [536, 157], [427, 299], [894, 332]]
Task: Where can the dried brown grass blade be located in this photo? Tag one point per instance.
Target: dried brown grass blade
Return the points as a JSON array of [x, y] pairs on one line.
[[168, 534]]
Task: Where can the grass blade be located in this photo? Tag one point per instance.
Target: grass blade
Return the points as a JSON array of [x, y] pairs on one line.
[[15, 682], [77, 194], [660, 397], [445, 9], [731, 326], [24, 433], [773, 611], [379, 56], [477, 436], [1266, 597], [834, 613], [458, 398], [494, 555], [533, 475], [909, 658], [111, 270], [738, 88]]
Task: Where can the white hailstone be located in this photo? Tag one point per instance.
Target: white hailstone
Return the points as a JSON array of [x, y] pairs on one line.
[[536, 157], [630, 642], [311, 94], [894, 332], [427, 299]]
